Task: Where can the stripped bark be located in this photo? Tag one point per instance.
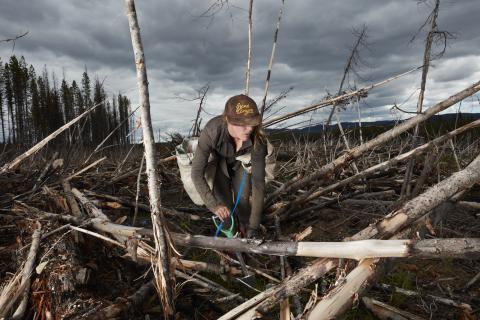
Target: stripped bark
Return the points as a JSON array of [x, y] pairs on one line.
[[161, 267], [333, 304]]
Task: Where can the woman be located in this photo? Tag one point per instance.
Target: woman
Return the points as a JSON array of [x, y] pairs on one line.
[[233, 134]]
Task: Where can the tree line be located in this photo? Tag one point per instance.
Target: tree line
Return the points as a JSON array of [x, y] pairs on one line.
[[32, 106]]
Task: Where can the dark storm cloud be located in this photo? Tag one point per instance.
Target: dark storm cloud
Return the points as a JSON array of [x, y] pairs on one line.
[[184, 51]]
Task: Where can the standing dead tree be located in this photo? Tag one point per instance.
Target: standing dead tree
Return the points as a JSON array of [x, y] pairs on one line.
[[433, 36], [270, 64], [249, 55], [352, 61], [201, 96], [161, 262]]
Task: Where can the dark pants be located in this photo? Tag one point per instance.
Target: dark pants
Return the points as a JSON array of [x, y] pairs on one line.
[[226, 189]]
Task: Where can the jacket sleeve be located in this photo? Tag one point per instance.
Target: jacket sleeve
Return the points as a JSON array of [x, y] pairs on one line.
[[258, 184], [199, 165]]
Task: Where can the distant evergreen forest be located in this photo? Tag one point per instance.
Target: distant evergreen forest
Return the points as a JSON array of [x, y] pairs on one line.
[[32, 106]]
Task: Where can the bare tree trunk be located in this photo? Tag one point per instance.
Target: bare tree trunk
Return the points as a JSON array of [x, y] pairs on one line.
[[270, 64], [163, 280], [249, 56], [405, 192]]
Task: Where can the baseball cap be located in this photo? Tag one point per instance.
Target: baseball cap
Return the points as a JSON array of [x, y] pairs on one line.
[[241, 110]]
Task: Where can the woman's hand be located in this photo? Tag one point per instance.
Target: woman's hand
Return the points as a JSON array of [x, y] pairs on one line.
[[222, 212]]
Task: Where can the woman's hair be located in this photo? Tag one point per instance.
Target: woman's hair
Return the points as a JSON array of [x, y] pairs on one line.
[[257, 132]]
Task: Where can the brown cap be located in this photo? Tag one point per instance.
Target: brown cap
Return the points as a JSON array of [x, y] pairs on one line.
[[241, 110]]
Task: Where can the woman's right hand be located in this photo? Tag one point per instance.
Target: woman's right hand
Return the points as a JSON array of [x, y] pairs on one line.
[[222, 212]]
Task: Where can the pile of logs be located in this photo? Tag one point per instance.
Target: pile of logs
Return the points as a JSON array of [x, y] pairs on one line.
[[77, 239]]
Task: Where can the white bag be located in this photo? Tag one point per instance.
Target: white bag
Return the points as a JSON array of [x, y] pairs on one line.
[[185, 152]]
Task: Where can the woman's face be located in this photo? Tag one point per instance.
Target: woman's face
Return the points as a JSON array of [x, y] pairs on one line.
[[239, 132]]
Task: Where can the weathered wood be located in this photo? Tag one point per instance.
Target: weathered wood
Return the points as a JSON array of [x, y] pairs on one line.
[[142, 206], [268, 299], [161, 267], [208, 284], [331, 305], [249, 55], [344, 159], [272, 55], [13, 164]]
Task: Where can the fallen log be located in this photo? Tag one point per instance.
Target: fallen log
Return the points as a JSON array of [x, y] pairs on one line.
[[459, 182], [392, 162], [461, 248], [344, 159]]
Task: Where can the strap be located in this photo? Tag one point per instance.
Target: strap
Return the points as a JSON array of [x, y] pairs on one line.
[[232, 212]]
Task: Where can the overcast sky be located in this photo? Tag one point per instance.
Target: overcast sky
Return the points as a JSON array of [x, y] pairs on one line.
[[185, 51]]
